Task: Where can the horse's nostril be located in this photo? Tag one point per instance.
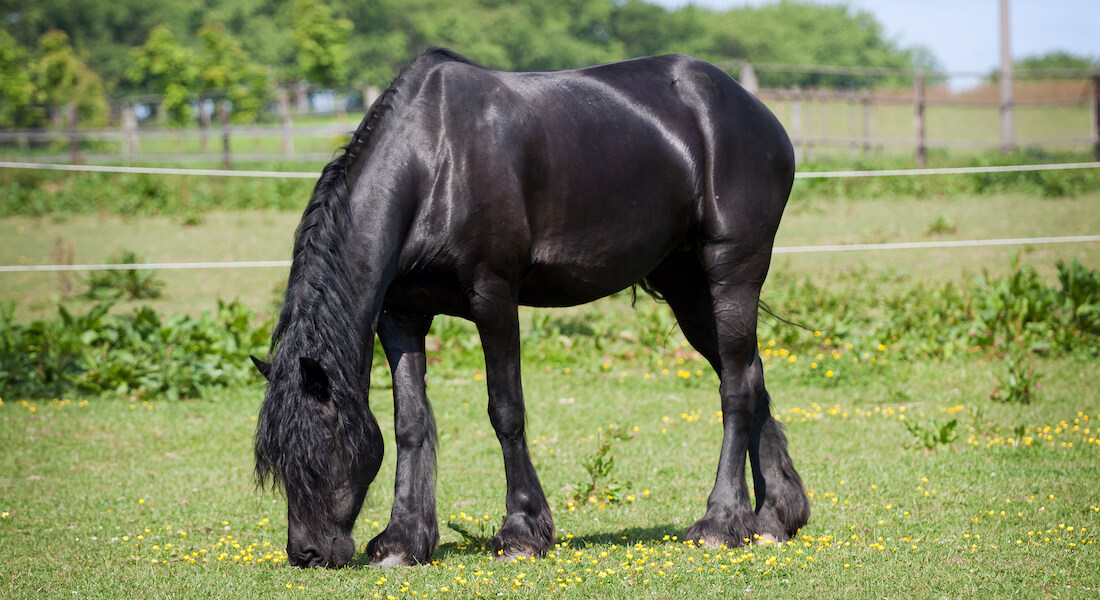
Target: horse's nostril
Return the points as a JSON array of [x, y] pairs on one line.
[[342, 551], [307, 558]]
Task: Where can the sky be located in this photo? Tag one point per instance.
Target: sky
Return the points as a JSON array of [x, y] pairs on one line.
[[964, 35]]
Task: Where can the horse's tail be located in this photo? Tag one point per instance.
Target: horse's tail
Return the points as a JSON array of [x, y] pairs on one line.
[[761, 305], [648, 289]]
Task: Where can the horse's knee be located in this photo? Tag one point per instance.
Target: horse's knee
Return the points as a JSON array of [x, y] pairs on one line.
[[415, 435], [507, 420]]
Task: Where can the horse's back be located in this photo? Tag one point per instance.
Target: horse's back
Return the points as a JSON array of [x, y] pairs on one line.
[[584, 180]]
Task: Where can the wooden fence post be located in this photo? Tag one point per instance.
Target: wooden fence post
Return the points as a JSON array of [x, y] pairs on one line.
[[370, 94], [808, 123], [748, 78], [129, 131], [339, 103], [1096, 117], [301, 98], [823, 115], [75, 158], [865, 100], [223, 117], [204, 124], [1008, 117], [284, 116], [796, 124], [918, 120]]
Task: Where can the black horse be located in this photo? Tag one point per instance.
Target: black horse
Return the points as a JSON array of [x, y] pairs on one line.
[[468, 191]]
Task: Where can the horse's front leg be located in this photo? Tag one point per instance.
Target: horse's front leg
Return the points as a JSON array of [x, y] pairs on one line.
[[528, 529], [413, 532]]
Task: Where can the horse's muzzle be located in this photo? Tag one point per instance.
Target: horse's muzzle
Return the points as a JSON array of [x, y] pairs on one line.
[[335, 554]]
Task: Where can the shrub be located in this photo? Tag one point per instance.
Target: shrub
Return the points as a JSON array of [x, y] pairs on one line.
[[145, 353], [141, 354], [1017, 310], [123, 283]]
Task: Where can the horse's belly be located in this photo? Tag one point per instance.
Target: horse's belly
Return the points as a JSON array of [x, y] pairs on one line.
[[582, 274]]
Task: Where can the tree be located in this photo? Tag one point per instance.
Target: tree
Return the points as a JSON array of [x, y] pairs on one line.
[[311, 39], [16, 88], [61, 79], [646, 29], [797, 33], [320, 43], [225, 68], [1058, 60], [164, 67]]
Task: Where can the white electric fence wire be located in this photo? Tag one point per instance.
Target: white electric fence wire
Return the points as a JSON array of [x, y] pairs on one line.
[[1072, 239], [314, 175]]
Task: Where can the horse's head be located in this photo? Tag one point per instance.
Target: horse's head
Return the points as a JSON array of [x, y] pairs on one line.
[[318, 439]]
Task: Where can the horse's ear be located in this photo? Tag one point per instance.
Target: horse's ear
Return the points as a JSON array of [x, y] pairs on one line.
[[263, 367], [314, 378]]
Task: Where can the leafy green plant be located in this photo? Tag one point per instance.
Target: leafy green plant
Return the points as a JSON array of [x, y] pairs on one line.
[[942, 225], [931, 435], [113, 284], [1080, 294], [141, 354], [601, 484], [1018, 383], [476, 533], [919, 320]]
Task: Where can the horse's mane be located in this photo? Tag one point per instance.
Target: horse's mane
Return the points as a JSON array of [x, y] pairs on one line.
[[318, 320], [318, 275]]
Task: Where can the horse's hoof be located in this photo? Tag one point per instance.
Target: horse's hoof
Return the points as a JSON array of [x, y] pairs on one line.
[[711, 542], [392, 560], [766, 539], [523, 536], [709, 533]]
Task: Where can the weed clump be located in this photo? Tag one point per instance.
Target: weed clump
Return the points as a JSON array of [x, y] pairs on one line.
[[137, 355], [133, 284]]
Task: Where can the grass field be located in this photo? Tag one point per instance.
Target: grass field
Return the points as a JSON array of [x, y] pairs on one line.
[[104, 498], [243, 236], [109, 498]]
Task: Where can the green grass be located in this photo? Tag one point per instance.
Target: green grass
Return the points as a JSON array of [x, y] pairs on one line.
[[103, 498], [107, 498]]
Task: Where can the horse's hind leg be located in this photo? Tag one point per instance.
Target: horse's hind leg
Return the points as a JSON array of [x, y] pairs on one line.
[[781, 503], [413, 532], [782, 507]]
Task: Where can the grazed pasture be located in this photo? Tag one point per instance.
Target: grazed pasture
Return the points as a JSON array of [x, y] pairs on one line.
[[108, 497]]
